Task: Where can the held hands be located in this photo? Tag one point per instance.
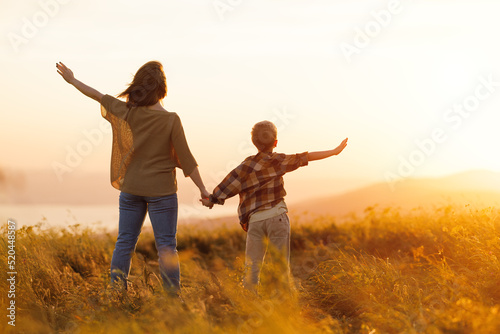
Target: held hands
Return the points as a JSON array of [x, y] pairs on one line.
[[206, 202], [204, 199], [341, 147], [65, 72]]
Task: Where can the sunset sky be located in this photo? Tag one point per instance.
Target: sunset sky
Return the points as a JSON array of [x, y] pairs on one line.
[[415, 85]]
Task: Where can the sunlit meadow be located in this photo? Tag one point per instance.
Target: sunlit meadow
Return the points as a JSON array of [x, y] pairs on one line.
[[382, 272]]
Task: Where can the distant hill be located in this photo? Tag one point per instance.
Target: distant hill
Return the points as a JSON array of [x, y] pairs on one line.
[[84, 188], [473, 180], [476, 188]]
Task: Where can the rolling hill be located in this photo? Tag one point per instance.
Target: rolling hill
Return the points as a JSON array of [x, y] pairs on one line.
[[476, 188], [473, 187]]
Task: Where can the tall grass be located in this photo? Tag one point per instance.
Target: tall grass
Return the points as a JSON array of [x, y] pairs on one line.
[[384, 272]]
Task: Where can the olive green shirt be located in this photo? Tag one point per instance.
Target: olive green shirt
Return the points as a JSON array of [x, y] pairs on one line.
[[147, 147]]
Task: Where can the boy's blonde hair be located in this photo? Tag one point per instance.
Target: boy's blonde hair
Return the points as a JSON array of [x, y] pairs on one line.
[[264, 135]]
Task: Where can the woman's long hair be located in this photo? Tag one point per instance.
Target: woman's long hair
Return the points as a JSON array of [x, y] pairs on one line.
[[148, 86]]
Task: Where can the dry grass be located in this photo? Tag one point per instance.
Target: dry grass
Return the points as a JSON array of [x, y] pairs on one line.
[[422, 272]]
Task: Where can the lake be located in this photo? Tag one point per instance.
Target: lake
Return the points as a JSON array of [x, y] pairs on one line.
[[97, 217]]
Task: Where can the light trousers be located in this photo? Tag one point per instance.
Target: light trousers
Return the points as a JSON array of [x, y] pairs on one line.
[[277, 231]]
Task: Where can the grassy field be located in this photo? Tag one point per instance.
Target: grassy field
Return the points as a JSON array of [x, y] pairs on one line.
[[384, 272]]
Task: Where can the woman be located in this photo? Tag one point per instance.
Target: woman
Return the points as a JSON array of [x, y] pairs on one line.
[[148, 144]]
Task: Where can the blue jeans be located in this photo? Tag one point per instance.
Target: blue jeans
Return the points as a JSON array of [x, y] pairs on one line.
[[163, 214]]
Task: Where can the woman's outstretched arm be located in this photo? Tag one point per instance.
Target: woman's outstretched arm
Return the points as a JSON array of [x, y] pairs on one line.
[[67, 75]]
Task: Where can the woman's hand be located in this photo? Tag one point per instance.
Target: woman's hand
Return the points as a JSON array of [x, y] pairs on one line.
[[65, 72], [204, 193], [68, 75]]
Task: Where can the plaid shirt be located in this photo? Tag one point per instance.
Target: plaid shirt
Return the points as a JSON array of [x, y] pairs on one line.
[[259, 182]]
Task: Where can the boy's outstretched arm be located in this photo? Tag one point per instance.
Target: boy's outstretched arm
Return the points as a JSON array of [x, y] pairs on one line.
[[311, 156], [68, 75]]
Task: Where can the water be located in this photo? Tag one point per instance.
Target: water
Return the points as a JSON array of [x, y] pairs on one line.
[[97, 217]]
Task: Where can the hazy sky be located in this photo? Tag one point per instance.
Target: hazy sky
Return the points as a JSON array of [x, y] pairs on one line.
[[415, 85]]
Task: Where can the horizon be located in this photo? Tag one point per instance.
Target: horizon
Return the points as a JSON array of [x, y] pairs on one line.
[[17, 182], [411, 194]]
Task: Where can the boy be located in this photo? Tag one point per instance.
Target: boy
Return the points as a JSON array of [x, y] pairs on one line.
[[262, 209]]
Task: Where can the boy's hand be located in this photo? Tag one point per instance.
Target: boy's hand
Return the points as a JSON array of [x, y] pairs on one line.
[[65, 72], [341, 147], [312, 156], [206, 202]]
